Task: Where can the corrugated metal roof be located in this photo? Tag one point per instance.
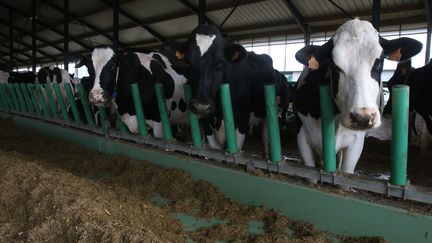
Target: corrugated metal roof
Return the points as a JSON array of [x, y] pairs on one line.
[[174, 19]]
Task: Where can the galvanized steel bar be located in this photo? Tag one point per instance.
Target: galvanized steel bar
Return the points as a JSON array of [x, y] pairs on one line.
[[120, 124], [20, 97], [42, 100], [272, 124], [60, 101], [72, 102], [30, 89], [399, 146], [9, 101], [193, 120], [3, 102], [163, 112], [327, 129], [139, 110], [53, 105], [27, 99], [86, 105], [225, 96]]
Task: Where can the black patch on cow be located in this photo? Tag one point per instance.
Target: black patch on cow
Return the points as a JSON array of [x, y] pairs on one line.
[[158, 58], [335, 72], [56, 71], [377, 69], [173, 105], [182, 105], [108, 75]]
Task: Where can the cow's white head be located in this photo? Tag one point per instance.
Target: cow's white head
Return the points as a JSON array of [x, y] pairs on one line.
[[354, 56], [104, 66]]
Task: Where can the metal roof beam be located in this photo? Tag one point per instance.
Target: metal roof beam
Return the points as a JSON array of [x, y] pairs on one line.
[[195, 10], [153, 32], [23, 52], [298, 17]]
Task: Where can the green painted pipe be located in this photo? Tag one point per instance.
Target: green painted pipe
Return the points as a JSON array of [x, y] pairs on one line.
[[225, 96], [5, 103], [193, 120], [163, 112], [328, 129], [7, 96], [86, 105], [14, 96], [399, 146], [53, 105], [30, 89], [72, 102], [43, 103], [272, 124], [139, 110], [20, 97], [27, 99], [120, 123], [60, 101], [103, 119]]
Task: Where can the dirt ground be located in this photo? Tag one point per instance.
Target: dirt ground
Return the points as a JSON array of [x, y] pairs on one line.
[[55, 191]]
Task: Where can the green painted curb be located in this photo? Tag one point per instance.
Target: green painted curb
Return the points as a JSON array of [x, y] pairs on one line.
[[333, 213]]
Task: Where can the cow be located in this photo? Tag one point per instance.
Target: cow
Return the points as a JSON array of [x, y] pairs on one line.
[[420, 123], [114, 75], [21, 77], [350, 63], [211, 59]]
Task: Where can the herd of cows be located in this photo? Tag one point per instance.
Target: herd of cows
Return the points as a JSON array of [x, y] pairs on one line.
[[350, 62]]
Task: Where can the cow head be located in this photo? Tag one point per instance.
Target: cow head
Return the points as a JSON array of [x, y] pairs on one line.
[[45, 75], [355, 55], [104, 67], [206, 54]]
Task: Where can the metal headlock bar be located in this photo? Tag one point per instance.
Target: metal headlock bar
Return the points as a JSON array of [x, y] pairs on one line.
[[287, 167]]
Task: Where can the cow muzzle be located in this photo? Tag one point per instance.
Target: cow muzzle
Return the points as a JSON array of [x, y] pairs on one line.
[[363, 119], [98, 97], [199, 109]]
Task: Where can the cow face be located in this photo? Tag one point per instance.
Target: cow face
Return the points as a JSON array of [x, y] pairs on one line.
[[104, 68], [45, 75], [355, 55], [207, 54]]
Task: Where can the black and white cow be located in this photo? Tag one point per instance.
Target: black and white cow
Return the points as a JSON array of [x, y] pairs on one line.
[[211, 60], [350, 62], [21, 77], [146, 69]]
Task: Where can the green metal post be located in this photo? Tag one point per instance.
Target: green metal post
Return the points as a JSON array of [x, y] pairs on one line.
[[272, 124], [4, 101], [399, 146], [60, 101], [163, 112], [225, 96], [53, 105], [139, 110], [42, 100], [193, 120], [103, 116], [72, 102], [120, 123], [27, 99], [30, 89], [86, 105], [11, 90], [20, 98], [328, 129], [7, 96]]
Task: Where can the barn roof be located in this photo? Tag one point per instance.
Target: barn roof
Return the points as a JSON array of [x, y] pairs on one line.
[[146, 23]]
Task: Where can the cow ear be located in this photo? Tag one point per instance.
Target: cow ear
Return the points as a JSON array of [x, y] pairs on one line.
[[320, 53], [235, 53], [173, 49], [400, 49]]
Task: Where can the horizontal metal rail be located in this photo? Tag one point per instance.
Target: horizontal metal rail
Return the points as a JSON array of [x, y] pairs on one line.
[[287, 167]]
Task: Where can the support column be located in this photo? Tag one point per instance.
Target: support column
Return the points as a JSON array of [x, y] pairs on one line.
[[429, 28], [66, 34], [11, 60], [201, 12], [376, 10], [33, 36], [115, 25]]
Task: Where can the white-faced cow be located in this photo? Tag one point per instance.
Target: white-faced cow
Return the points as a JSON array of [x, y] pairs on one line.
[[350, 62], [211, 60], [146, 69]]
